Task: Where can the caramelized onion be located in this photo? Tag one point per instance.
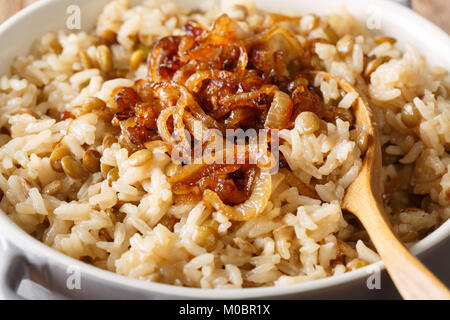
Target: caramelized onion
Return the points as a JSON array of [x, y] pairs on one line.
[[243, 58], [194, 82], [280, 111], [249, 209], [163, 131], [186, 172], [275, 18], [232, 182], [247, 98], [217, 78], [268, 36], [273, 50], [162, 62]]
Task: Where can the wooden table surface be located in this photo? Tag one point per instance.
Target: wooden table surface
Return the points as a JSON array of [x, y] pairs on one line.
[[437, 11]]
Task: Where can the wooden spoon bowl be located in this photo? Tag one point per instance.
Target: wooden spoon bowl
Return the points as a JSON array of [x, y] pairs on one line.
[[364, 199]]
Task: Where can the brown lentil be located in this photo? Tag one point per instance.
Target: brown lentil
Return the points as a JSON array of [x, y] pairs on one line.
[[145, 50], [72, 167], [112, 175], [331, 34], [345, 115], [56, 46], [323, 127], [108, 141], [410, 116], [104, 169], [56, 156], [109, 36], [211, 223], [205, 237], [309, 122], [91, 160], [384, 39], [104, 58], [85, 60], [136, 58]]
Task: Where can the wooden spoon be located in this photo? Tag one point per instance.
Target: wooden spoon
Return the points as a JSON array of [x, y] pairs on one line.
[[363, 198]]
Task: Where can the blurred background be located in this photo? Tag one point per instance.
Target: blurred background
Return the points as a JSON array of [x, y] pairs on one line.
[[437, 11]]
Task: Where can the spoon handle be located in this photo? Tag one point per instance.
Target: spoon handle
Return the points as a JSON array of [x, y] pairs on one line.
[[412, 279]]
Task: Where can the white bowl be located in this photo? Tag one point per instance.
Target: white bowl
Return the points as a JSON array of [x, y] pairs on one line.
[[26, 258]]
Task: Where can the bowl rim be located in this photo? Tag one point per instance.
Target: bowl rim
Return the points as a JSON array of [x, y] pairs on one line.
[[12, 235]]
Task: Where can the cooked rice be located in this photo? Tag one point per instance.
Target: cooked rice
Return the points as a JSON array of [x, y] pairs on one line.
[[131, 226]]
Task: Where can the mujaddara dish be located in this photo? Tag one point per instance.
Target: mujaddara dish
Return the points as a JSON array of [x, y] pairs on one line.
[[100, 133]]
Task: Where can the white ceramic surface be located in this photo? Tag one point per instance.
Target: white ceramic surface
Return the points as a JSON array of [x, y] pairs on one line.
[[24, 257]]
